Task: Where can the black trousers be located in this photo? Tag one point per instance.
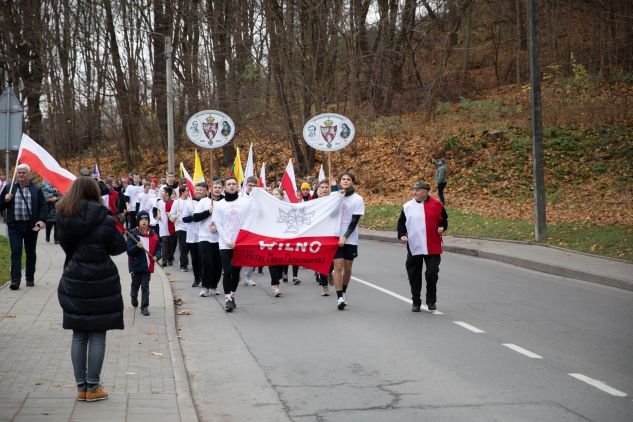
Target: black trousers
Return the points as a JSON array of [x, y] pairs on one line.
[[210, 264], [131, 220], [168, 247], [195, 261], [231, 273], [414, 270], [50, 225], [275, 274], [183, 249], [295, 270], [216, 266], [141, 279], [21, 233]]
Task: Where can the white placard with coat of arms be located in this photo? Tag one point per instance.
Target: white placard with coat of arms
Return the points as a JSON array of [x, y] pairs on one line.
[[329, 132], [210, 129]]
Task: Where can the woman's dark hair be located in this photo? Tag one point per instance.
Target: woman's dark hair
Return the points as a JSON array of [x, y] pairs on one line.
[[83, 189]]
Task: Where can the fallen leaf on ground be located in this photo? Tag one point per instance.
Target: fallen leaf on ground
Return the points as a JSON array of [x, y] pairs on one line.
[[9, 315], [178, 302], [184, 312], [157, 354]]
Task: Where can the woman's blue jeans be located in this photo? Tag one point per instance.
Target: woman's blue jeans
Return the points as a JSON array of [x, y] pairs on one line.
[[87, 353]]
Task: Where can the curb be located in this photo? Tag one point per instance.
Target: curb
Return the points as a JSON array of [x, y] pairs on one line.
[[523, 263], [186, 408]]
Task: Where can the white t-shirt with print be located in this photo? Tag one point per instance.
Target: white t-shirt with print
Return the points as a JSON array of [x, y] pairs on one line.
[[352, 205]]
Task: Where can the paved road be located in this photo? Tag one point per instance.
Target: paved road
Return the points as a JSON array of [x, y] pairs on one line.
[[298, 358]]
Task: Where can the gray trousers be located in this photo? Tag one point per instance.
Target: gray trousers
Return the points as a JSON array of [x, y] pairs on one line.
[[87, 352]]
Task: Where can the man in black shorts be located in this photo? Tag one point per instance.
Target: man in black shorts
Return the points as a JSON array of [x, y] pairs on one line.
[[352, 208]]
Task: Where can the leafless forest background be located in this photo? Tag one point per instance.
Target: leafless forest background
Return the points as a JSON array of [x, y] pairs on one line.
[[92, 73]]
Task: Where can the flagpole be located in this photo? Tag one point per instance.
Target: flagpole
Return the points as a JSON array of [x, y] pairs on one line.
[[142, 247], [211, 164], [15, 170], [329, 169]]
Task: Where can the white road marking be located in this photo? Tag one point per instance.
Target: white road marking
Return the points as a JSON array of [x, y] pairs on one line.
[[469, 327], [396, 295], [599, 385], [523, 351]]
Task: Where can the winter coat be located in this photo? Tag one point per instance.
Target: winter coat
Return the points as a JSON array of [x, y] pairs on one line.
[[49, 191], [89, 291], [138, 260], [441, 173]]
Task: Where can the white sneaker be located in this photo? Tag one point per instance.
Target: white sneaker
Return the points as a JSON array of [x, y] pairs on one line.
[[276, 291], [345, 297], [204, 292], [213, 292], [340, 303], [325, 291], [250, 282]]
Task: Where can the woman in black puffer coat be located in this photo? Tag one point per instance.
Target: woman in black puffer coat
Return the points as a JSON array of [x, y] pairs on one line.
[[89, 291]]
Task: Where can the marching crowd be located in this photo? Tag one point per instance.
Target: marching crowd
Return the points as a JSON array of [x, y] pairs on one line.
[[149, 218]]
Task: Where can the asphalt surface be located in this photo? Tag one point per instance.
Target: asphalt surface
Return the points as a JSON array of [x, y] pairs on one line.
[[298, 358]]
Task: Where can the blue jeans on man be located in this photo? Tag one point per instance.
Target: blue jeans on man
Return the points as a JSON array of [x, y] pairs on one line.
[[21, 235]]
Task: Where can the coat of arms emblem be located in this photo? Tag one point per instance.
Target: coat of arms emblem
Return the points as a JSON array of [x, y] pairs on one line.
[[210, 127], [328, 132]]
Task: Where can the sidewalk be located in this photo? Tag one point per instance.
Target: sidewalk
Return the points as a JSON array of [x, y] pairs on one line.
[[547, 259], [143, 369]]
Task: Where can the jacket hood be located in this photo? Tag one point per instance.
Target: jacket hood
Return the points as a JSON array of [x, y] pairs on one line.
[[93, 214]]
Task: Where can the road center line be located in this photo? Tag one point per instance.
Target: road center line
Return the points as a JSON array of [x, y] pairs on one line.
[[396, 295], [599, 385], [523, 351], [469, 327]]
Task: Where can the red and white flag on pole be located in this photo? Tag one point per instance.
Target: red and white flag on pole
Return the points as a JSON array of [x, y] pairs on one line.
[[321, 174], [250, 168], [42, 163], [261, 182], [188, 180], [289, 184], [275, 232]]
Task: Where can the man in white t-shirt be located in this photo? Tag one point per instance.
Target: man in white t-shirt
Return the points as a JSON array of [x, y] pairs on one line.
[[353, 208], [227, 216], [200, 191], [175, 215]]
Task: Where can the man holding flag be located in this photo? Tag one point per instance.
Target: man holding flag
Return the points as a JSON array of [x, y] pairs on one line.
[[26, 213]]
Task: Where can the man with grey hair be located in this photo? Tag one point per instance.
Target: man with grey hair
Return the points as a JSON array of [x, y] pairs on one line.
[[26, 213]]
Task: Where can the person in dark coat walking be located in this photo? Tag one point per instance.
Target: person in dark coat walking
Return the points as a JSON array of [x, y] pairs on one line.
[[89, 291]]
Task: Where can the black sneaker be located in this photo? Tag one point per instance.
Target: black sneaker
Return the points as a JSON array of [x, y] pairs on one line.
[[415, 308], [135, 302], [30, 283], [431, 306], [145, 311], [184, 269], [196, 283], [229, 305], [14, 285]]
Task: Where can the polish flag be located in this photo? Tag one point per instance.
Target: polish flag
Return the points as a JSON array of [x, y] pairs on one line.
[[42, 163], [289, 184], [276, 232], [188, 180], [321, 174], [250, 168], [261, 182]]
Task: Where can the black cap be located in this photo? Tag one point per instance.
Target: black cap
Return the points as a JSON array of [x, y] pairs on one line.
[[142, 214]]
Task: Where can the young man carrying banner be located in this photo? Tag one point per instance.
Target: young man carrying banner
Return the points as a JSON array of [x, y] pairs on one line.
[[227, 215], [352, 209]]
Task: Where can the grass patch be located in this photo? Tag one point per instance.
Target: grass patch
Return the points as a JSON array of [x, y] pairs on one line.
[[612, 241], [5, 260]]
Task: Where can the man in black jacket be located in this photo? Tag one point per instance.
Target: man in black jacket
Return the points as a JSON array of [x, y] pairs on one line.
[[26, 213]]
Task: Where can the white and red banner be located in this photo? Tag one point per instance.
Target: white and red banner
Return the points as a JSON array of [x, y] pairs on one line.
[[42, 163], [276, 232]]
